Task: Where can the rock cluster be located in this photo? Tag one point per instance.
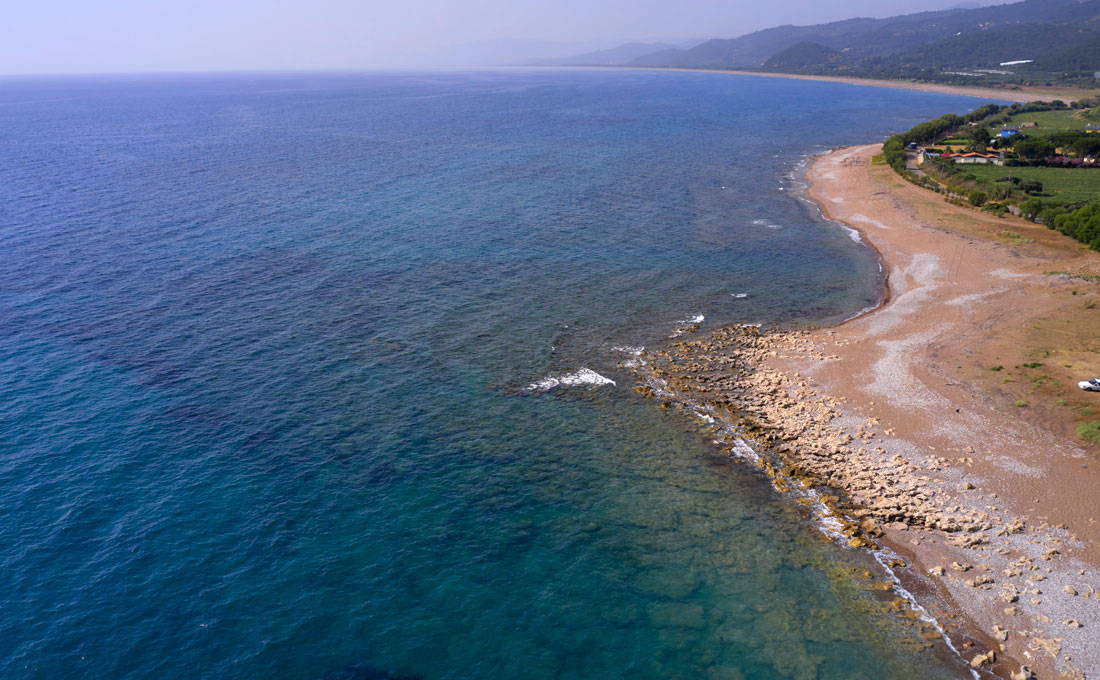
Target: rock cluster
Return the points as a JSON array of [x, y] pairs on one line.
[[804, 439], [726, 374]]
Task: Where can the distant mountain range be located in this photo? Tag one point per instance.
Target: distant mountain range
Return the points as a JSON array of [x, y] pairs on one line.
[[1056, 40]]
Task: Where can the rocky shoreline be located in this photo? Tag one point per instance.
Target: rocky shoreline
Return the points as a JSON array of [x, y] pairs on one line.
[[804, 440], [891, 420], [809, 440]]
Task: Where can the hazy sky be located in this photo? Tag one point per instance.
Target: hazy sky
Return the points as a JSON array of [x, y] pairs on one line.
[[80, 36]]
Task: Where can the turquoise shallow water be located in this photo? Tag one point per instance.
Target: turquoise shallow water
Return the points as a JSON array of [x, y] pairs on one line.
[[265, 352]]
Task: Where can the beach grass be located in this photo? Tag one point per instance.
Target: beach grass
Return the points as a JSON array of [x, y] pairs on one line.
[[1089, 431]]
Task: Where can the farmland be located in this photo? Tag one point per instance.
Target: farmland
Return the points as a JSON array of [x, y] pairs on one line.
[[1051, 121], [1064, 185]]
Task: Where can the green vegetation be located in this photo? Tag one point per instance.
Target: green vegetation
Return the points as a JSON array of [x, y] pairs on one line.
[[1089, 431], [1073, 275], [1065, 198], [998, 367], [1050, 120], [1066, 185], [1021, 403], [1082, 224], [928, 132]]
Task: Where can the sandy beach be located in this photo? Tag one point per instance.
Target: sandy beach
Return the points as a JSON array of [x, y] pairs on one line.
[[968, 293], [944, 420], [1014, 94]]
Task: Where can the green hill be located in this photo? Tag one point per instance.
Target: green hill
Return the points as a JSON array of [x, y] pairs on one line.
[[1060, 37]]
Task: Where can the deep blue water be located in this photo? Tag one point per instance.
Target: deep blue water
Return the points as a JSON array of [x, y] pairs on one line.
[[265, 348]]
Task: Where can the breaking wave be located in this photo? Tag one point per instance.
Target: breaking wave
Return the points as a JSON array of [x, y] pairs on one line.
[[584, 376]]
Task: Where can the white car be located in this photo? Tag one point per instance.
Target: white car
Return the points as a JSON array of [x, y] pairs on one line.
[[1090, 385]]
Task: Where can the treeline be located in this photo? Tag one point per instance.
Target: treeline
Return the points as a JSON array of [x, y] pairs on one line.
[[1072, 142], [929, 132]]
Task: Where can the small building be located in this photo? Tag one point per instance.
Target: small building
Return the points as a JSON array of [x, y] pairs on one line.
[[1092, 128], [1008, 131], [975, 158]]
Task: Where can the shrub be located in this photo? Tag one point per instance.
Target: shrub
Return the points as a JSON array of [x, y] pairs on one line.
[[1031, 207], [976, 197], [1089, 431], [1031, 186], [1082, 224]]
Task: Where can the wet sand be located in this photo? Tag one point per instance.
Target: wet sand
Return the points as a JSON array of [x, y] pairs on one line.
[[973, 475]]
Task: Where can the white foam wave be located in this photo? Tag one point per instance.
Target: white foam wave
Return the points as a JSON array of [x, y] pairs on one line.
[[628, 349], [739, 296], [684, 325], [584, 376]]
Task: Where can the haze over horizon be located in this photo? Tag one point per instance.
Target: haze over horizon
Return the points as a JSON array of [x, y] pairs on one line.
[[70, 36]]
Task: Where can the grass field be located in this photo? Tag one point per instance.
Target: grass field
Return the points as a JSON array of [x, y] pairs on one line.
[[1081, 184], [1051, 121]]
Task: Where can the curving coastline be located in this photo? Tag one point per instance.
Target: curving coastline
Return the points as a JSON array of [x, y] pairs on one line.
[[1016, 94], [897, 419]]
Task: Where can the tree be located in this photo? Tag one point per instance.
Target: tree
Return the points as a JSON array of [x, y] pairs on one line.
[[979, 138], [1086, 145], [1033, 148], [977, 197]]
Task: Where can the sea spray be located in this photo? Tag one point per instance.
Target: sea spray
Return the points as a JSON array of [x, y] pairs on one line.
[[579, 378]]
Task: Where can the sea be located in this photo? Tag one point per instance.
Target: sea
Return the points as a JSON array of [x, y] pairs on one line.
[[328, 376]]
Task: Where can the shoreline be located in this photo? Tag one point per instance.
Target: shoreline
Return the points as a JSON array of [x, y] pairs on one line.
[[1020, 94], [834, 185], [896, 418]]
